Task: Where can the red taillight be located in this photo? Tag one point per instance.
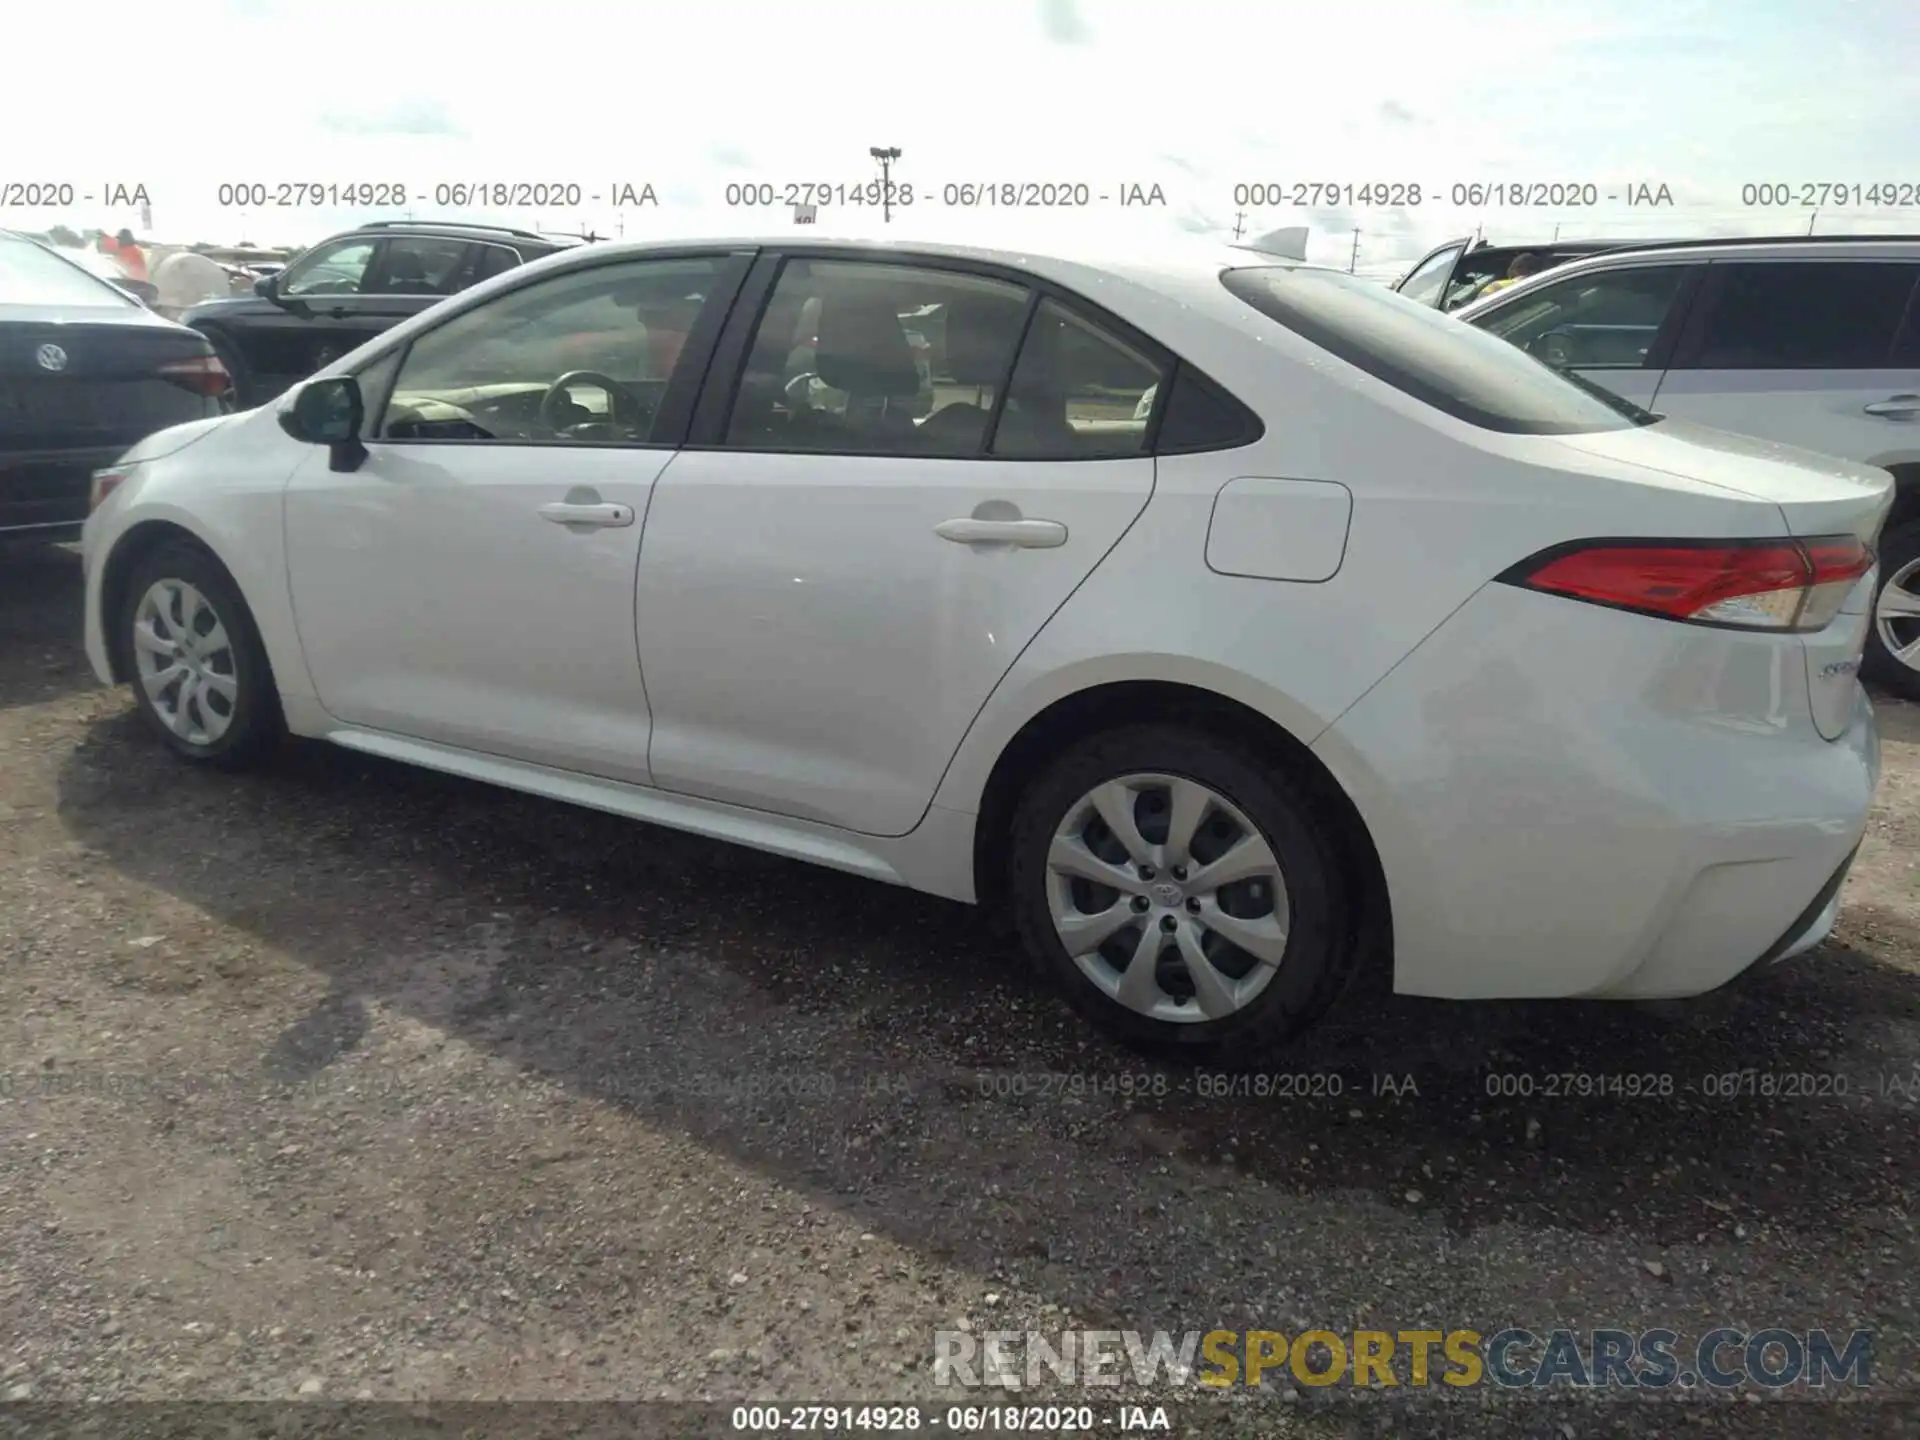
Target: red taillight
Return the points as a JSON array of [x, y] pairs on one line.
[[1763, 585], [203, 374]]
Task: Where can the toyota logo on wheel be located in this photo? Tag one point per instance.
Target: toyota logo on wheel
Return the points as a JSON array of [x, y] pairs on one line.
[[51, 357]]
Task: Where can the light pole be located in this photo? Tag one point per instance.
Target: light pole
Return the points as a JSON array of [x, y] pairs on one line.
[[886, 155]]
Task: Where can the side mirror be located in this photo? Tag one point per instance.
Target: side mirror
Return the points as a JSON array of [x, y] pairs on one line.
[[329, 412], [266, 288]]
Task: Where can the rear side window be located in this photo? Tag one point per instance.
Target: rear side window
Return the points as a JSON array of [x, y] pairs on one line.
[[1076, 393], [1202, 416], [1602, 319], [30, 274], [420, 265], [494, 260], [1802, 315], [1457, 369]]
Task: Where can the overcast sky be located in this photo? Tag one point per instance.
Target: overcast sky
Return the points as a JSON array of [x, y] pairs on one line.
[[1197, 96]]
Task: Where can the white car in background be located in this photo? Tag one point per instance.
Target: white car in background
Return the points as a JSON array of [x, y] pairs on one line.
[[1814, 343], [1390, 641]]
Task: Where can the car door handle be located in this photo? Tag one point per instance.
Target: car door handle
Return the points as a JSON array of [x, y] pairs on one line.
[[563, 513], [1903, 407], [1026, 534]]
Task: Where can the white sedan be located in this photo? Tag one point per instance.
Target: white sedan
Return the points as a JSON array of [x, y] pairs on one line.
[[1368, 637]]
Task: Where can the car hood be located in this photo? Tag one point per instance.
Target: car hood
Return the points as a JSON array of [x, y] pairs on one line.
[[166, 442]]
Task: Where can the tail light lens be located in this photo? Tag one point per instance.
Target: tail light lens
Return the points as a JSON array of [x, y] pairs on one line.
[[203, 374], [103, 485], [1788, 585]]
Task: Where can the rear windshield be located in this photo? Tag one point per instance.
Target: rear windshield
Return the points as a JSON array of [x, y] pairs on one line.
[[31, 274], [1450, 365]]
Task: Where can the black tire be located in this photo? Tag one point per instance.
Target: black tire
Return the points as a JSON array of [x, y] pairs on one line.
[[229, 354], [256, 725], [1899, 547], [1320, 954]]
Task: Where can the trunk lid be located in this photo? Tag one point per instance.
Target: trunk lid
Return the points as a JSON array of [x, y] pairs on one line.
[[92, 383], [1816, 495]]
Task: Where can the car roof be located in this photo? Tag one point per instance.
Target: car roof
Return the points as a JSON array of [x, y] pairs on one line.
[[1172, 259], [1781, 247], [465, 230]]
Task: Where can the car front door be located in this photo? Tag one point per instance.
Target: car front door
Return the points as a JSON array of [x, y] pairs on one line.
[[1612, 326], [471, 583], [832, 585], [1426, 283], [316, 308], [1823, 354]]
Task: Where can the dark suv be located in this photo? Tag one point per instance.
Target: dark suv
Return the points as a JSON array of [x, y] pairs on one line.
[[341, 293]]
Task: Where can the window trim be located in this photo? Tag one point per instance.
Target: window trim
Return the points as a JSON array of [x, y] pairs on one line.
[[727, 366], [689, 370], [1666, 339], [1692, 341]]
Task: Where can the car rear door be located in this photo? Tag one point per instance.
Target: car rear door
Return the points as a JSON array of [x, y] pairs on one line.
[[1819, 353], [831, 586]]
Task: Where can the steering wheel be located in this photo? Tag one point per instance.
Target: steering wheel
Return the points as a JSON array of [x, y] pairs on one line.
[[1556, 348], [619, 400]]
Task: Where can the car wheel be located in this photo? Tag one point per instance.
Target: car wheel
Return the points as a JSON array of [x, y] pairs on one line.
[[200, 674], [1893, 640], [1181, 892]]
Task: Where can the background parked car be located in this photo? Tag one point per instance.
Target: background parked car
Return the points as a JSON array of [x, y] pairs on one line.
[[85, 371], [1459, 272], [1814, 343], [342, 292]]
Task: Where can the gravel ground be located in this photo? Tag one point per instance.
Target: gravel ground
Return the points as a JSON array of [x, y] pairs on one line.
[[345, 1081]]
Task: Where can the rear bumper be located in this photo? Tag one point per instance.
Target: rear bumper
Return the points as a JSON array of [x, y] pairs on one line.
[[48, 489], [1571, 802]]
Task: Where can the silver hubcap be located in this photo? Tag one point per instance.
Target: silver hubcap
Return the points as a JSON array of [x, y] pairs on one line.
[[1168, 898], [185, 661], [1897, 615]]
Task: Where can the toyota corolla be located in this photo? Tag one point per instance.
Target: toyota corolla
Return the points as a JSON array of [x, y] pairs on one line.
[[1367, 635]]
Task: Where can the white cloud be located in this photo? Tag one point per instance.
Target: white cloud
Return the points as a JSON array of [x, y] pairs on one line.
[[1701, 95]]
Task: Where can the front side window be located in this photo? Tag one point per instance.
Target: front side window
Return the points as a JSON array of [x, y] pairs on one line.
[[420, 265], [1605, 319], [332, 269], [851, 357], [1076, 393], [1458, 369], [1803, 315], [582, 358]]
